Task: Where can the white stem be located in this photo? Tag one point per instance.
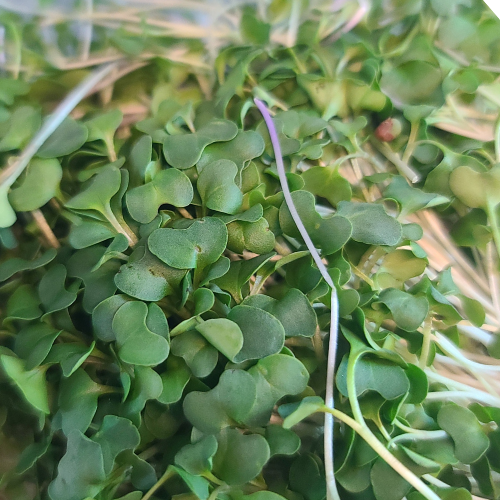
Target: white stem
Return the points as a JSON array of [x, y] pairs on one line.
[[12, 172]]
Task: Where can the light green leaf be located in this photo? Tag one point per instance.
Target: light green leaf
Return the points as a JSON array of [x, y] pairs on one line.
[[196, 458], [217, 188], [68, 137], [462, 425], [31, 383], [169, 186], [223, 334], [38, 186], [136, 343], [263, 334], [239, 457], [199, 245], [230, 401], [370, 223]]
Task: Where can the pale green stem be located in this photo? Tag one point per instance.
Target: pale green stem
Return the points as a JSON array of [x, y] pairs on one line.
[[126, 231], [208, 475], [410, 146], [493, 219], [497, 141], [163, 479], [426, 343], [404, 168], [423, 435], [384, 453]]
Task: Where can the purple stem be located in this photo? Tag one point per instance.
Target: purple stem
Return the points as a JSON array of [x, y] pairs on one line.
[[334, 315]]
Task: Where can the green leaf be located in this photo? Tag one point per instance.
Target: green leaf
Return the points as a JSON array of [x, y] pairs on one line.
[[86, 233], [223, 334], [411, 199], [31, 454], [473, 310], [217, 188], [98, 193], [229, 402], [294, 413], [275, 376], [136, 343], [199, 355], [23, 124], [263, 334], [327, 183], [77, 401], [34, 342], [239, 457], [7, 214], [69, 136], [239, 273], [15, 265], [71, 355], [307, 478], [38, 186], [413, 82], [174, 380], [253, 29], [146, 385], [145, 277], [198, 485], [31, 383], [115, 435], [330, 233], [370, 223], [103, 126], [196, 458], [462, 425], [204, 300], [169, 186], [11, 88], [281, 440], [374, 374], [52, 292], [399, 266], [99, 284], [183, 151], [103, 314], [293, 310], [23, 304], [408, 311], [245, 146], [476, 189], [255, 237], [80, 472], [199, 245]]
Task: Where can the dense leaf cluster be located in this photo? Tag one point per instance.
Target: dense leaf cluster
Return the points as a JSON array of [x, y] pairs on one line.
[[182, 319]]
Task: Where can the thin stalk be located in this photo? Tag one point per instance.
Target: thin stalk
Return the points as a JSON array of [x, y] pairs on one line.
[[403, 168], [163, 479], [126, 231], [423, 435], [497, 141], [410, 146], [493, 219], [45, 229], [426, 344], [384, 453], [332, 493], [475, 395]]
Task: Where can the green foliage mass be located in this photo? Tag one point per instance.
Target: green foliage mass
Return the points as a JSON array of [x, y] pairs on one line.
[[176, 335]]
